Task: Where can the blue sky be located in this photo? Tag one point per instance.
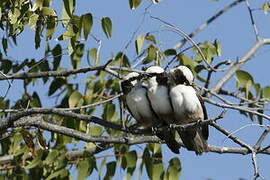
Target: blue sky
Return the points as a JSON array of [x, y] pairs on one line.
[[233, 30]]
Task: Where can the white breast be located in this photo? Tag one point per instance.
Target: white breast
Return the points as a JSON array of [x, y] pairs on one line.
[[138, 104], [186, 104]]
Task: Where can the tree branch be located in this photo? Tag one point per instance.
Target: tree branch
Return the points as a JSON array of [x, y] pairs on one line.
[[239, 64]]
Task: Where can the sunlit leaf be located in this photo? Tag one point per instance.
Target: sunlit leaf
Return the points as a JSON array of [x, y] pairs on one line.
[[95, 130], [265, 7], [133, 4], [174, 169], [139, 43], [93, 54], [74, 98], [68, 7], [218, 47], [46, 11], [150, 38], [266, 92], [60, 174]]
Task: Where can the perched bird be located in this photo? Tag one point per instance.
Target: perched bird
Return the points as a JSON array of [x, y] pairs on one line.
[[188, 107], [138, 103], [136, 100], [158, 94]]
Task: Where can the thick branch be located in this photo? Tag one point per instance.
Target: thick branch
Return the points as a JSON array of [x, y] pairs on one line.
[[239, 64]]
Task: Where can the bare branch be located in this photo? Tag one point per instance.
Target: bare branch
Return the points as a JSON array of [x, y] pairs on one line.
[[261, 138], [252, 21], [232, 137]]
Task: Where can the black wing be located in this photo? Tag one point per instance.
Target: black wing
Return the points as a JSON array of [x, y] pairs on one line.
[[205, 131]]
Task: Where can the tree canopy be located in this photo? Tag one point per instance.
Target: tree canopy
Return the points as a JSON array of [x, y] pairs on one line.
[[62, 115]]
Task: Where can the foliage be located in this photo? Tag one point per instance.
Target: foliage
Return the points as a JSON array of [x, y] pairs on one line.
[[43, 154]]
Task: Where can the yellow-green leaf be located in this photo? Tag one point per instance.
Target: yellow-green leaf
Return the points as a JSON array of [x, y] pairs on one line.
[[266, 92], [218, 47], [150, 38], [243, 78], [131, 159], [93, 54], [174, 169], [33, 20], [139, 43], [265, 7], [74, 98], [106, 24], [95, 130], [48, 11]]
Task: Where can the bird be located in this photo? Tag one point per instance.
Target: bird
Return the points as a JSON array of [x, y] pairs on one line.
[[188, 107], [138, 104], [158, 93]]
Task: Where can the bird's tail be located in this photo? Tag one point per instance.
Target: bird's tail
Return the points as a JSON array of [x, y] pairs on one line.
[[169, 138], [194, 140]]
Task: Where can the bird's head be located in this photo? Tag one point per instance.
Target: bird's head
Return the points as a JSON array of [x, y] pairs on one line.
[[157, 74], [129, 81], [182, 75]]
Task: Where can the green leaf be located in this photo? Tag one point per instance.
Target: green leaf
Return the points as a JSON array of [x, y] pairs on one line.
[[93, 54], [83, 168], [87, 22], [95, 130], [35, 162], [131, 159], [152, 54], [33, 20], [102, 164], [106, 24], [50, 28], [133, 4], [74, 98], [218, 47], [186, 61], [77, 55], [110, 170], [139, 43], [123, 59], [170, 52], [46, 11], [266, 92], [53, 154], [68, 7], [265, 7], [174, 169], [57, 55], [55, 85], [60, 174], [150, 38], [109, 111], [243, 78]]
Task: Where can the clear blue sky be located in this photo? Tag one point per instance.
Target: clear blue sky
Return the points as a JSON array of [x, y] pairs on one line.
[[236, 35]]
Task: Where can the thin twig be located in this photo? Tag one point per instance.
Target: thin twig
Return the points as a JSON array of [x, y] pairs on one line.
[[209, 21], [252, 21]]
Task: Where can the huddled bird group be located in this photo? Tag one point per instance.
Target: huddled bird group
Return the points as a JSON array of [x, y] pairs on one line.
[[157, 98]]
